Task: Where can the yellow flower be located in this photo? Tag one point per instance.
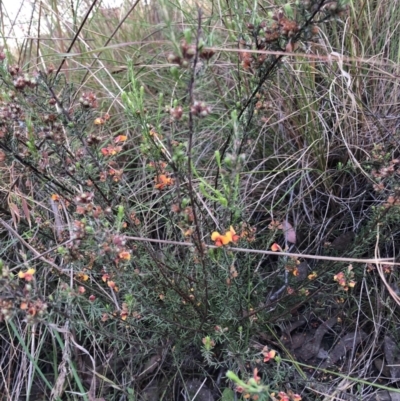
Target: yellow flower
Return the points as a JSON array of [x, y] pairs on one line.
[[312, 276], [229, 236], [220, 239], [82, 276], [28, 275]]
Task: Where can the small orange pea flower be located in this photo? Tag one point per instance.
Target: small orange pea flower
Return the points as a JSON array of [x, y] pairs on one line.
[[283, 396], [112, 285], [111, 150], [99, 121], [162, 181], [220, 239], [340, 278], [116, 174], [120, 138], [235, 237], [82, 276], [268, 354], [312, 276], [125, 255], [229, 236], [274, 225], [55, 197], [276, 247], [28, 275], [24, 305], [124, 312], [154, 134]]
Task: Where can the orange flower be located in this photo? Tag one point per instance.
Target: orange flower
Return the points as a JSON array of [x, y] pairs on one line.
[[124, 312], [55, 197], [229, 236], [120, 138], [312, 276], [112, 285], [162, 181], [345, 280], [235, 237], [111, 150], [220, 239], [28, 275], [116, 174], [82, 276], [283, 396], [24, 305], [154, 134], [124, 255], [268, 354], [276, 247], [274, 225], [340, 278], [99, 121]]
